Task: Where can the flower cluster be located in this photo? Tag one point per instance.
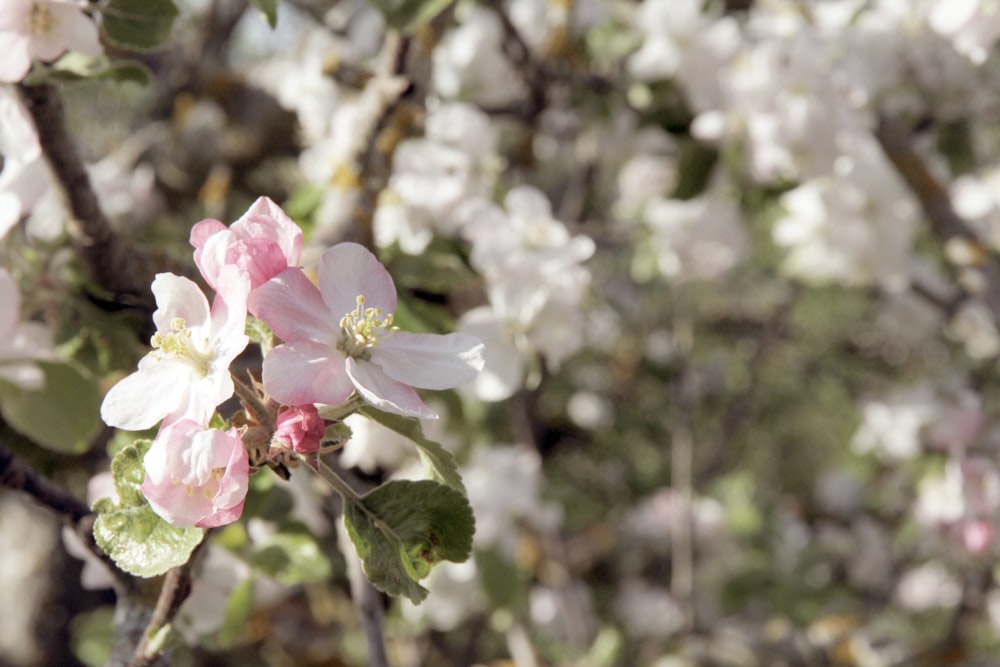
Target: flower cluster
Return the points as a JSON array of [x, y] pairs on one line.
[[338, 339]]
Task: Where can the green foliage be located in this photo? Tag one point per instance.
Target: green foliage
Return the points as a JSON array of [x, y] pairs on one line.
[[291, 556], [91, 636], [74, 66], [260, 333], [402, 528], [408, 16], [237, 613], [138, 540], [138, 24], [269, 8], [63, 416], [439, 463]]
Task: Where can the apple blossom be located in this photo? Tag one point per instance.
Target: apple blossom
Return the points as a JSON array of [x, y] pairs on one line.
[[339, 338], [196, 476], [300, 428], [260, 245], [186, 375], [21, 343], [42, 30]]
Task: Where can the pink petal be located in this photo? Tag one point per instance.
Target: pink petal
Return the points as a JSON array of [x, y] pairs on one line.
[[306, 372], [16, 60], [429, 361], [204, 230], [385, 393], [292, 306], [347, 270], [265, 219]]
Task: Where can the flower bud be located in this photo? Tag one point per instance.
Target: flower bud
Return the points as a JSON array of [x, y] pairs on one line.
[[300, 428]]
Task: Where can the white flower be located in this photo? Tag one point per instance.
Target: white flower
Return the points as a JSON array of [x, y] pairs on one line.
[[43, 30], [186, 375]]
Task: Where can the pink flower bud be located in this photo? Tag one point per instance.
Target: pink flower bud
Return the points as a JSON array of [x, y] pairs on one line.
[[300, 428]]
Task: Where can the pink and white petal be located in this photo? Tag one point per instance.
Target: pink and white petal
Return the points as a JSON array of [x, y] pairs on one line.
[[75, 30], [292, 306], [229, 319], [145, 397], [204, 230], [211, 249], [16, 60], [285, 232], [306, 372], [347, 270], [429, 361], [222, 517], [288, 239], [177, 296], [385, 393]]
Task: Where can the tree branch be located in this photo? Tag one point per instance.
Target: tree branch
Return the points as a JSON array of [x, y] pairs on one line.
[[113, 265], [16, 475], [936, 204]]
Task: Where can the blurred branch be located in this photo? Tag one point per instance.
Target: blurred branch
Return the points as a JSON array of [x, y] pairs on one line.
[[176, 588], [936, 204], [369, 166], [112, 264], [14, 474]]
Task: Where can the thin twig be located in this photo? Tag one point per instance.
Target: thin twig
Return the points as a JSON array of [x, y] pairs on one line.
[[175, 590]]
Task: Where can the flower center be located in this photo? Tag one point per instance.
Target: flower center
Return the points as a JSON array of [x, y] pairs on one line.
[[179, 344], [39, 19], [361, 328]]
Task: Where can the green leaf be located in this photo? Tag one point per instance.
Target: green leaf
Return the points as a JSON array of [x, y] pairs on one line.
[[138, 24], [269, 8], [237, 613], [408, 16], [291, 556], [63, 416], [75, 66], [139, 541], [260, 333], [402, 528], [439, 463]]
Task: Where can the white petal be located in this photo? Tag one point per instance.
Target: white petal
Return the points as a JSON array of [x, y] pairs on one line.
[[429, 361], [292, 306], [347, 270], [146, 396], [385, 393], [177, 296]]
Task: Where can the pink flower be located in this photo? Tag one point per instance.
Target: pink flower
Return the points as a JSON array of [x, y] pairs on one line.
[[300, 428], [260, 245], [186, 375], [339, 339], [196, 476], [42, 30]]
